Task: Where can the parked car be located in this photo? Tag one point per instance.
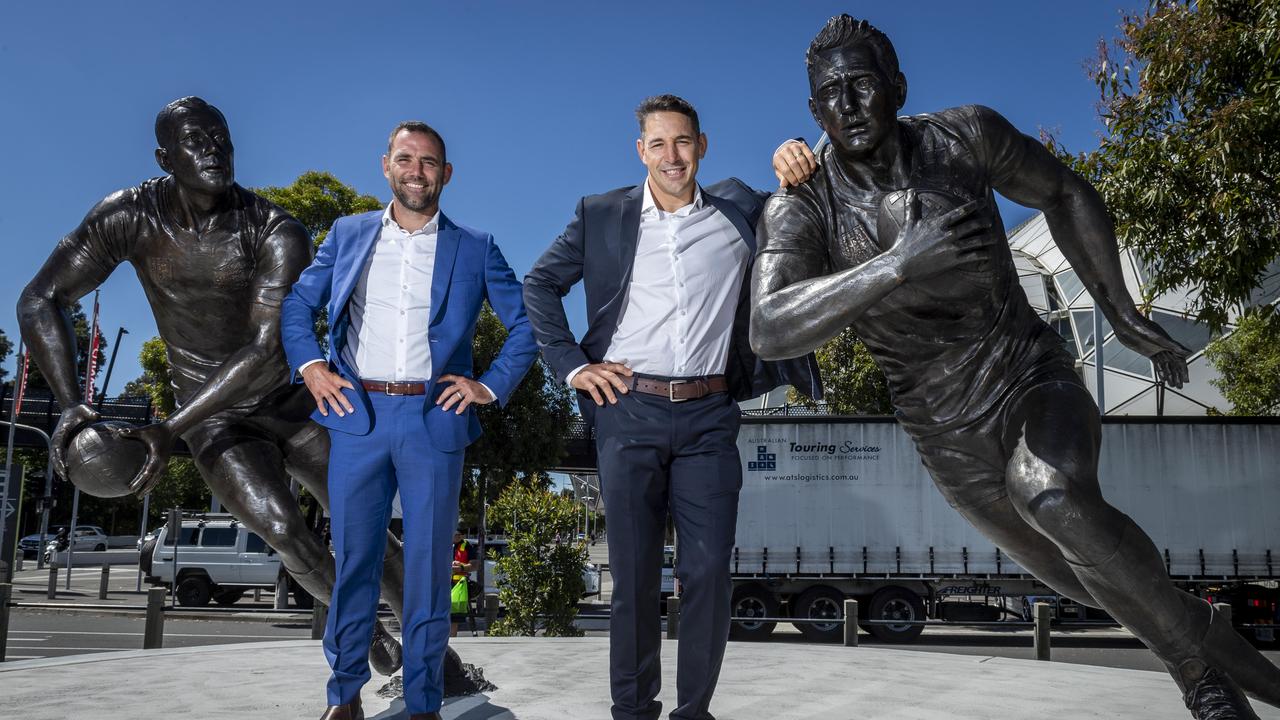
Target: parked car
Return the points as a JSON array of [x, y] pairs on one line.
[[218, 559], [88, 538], [497, 547]]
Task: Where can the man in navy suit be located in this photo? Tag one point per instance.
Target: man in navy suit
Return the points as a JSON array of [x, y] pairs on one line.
[[664, 358], [403, 288]]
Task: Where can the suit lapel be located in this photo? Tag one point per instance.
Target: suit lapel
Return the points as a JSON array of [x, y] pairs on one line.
[[735, 216], [361, 249], [629, 231], [447, 239]]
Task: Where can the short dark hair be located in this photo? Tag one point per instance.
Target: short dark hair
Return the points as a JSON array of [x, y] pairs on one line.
[[667, 103], [843, 31], [168, 115], [417, 126]]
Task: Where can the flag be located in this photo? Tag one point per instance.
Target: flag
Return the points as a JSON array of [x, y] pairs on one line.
[[22, 382], [95, 341]]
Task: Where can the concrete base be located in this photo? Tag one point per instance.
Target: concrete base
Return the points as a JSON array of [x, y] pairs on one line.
[[567, 679]]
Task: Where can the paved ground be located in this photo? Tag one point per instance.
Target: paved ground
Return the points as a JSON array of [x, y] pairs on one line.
[[541, 679]]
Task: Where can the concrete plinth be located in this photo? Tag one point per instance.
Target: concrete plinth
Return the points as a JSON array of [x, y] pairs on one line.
[[567, 679]]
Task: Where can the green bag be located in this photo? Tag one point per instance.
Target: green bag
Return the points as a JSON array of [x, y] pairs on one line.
[[458, 605]]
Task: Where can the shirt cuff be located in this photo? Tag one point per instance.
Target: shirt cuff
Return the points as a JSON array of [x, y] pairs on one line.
[[573, 374], [493, 397], [308, 364]]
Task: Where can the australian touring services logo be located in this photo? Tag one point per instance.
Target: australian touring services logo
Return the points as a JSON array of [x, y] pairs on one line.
[[766, 459]]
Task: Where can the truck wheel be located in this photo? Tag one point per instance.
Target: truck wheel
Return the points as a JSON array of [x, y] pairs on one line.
[[99, 548], [194, 591], [752, 601], [301, 598], [820, 602], [227, 598], [896, 603]]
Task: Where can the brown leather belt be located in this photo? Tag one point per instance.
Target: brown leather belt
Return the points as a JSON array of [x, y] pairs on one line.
[[677, 390], [395, 388]]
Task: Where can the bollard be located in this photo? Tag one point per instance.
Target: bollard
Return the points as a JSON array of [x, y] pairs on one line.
[[282, 593], [257, 594], [851, 622], [1042, 631], [1224, 611], [319, 616], [153, 635], [6, 590], [53, 581], [673, 618], [102, 584], [490, 611]]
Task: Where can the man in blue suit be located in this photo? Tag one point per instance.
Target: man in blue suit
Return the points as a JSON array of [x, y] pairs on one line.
[[665, 356], [403, 288]]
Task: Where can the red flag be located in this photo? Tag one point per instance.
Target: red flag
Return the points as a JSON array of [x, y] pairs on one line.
[[95, 340], [22, 381]]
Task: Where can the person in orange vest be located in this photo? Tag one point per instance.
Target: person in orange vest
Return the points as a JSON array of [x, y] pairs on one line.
[[464, 562]]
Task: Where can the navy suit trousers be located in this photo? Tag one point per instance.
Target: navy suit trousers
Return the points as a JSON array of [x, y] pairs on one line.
[[655, 457]]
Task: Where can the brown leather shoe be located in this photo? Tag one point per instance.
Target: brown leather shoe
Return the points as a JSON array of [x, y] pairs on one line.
[[350, 711], [425, 716]]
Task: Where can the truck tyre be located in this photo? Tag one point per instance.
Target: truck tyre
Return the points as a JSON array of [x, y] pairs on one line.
[[145, 556], [752, 601], [820, 602], [99, 548], [227, 598], [301, 598], [895, 603], [194, 591]]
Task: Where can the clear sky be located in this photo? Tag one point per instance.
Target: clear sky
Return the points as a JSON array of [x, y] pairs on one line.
[[534, 99]]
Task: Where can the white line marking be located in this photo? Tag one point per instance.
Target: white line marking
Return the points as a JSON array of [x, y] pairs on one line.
[[134, 634]]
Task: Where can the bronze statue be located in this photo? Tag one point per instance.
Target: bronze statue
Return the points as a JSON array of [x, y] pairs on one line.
[[216, 262], [897, 236]]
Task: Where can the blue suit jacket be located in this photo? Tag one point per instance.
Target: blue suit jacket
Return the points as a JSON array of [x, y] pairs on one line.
[[469, 269], [599, 248]]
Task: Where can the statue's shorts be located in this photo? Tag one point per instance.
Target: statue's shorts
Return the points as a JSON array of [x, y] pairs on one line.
[[968, 462], [282, 418]]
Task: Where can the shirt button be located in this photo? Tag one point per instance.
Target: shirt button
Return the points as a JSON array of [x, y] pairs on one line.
[[401, 312], [404, 287], [401, 341]]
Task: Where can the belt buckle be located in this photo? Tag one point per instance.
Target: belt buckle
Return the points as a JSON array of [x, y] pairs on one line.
[[386, 390], [671, 390]]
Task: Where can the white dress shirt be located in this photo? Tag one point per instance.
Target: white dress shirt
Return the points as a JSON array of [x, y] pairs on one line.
[[677, 317]]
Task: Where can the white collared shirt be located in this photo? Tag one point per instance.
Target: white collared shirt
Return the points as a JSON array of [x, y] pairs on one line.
[[390, 307], [677, 317]]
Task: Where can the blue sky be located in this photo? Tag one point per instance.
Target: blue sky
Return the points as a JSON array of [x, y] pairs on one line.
[[534, 99]]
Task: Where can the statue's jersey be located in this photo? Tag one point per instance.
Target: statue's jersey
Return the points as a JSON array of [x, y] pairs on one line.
[[203, 288], [950, 345]]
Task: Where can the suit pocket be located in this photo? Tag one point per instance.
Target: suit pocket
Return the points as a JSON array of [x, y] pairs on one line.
[[449, 431]]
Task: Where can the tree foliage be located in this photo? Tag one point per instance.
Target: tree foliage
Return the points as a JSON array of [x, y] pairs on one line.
[[317, 199], [542, 570], [6, 347], [852, 383], [1189, 164], [524, 438], [1248, 364]]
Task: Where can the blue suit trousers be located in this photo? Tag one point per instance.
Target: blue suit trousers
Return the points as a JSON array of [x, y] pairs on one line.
[[364, 473]]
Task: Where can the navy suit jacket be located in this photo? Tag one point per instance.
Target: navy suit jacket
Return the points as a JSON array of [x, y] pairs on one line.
[[469, 269], [599, 248]]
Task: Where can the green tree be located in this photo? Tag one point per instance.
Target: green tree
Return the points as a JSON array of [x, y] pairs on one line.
[[524, 438], [6, 347], [1248, 364], [1189, 165], [316, 199], [542, 570], [156, 381], [852, 383]]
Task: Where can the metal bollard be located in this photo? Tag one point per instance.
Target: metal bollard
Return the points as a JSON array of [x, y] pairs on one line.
[[319, 616], [6, 591], [257, 594], [102, 584], [490, 611], [851, 622], [282, 593], [153, 635], [1042, 631], [1224, 611], [673, 618], [53, 581]]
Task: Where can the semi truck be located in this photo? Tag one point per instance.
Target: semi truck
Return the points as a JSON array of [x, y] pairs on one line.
[[841, 507]]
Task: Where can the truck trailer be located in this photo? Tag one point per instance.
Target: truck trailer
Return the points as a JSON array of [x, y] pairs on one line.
[[841, 507]]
